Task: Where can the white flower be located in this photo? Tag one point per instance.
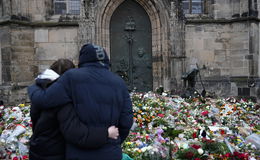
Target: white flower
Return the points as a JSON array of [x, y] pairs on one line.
[[143, 149], [164, 94], [200, 151], [181, 136], [185, 145]]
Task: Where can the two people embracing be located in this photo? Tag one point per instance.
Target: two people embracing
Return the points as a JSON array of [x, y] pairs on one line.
[[82, 113]]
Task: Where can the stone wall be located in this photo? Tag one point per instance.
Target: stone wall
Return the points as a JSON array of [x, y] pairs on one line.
[[18, 63], [224, 42], [221, 50], [27, 51], [31, 38], [54, 43]]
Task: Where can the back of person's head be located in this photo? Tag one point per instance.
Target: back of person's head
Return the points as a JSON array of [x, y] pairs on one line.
[[62, 65], [90, 53]]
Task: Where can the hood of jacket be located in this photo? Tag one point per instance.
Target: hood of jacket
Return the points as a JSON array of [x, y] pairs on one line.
[[46, 78], [48, 74], [91, 53]]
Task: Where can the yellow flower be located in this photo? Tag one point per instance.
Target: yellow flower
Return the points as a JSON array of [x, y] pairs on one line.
[[21, 105], [129, 143]]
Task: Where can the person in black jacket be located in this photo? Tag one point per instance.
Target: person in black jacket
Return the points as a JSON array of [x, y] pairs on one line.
[[53, 128], [100, 99]]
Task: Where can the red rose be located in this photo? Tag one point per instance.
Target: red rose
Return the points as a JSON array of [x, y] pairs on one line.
[[195, 146], [25, 157], [222, 132], [205, 113], [197, 159], [227, 155], [194, 135]]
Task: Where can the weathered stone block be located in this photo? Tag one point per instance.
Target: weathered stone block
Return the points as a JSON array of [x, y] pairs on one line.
[[6, 73], [239, 71], [50, 51], [63, 35], [220, 55], [240, 52], [41, 35], [237, 63], [5, 38], [21, 35], [6, 55], [225, 72], [21, 73], [71, 51]]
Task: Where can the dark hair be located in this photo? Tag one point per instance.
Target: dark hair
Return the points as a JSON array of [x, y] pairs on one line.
[[62, 65]]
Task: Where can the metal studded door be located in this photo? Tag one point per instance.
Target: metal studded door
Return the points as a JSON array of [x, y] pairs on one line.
[[131, 45]]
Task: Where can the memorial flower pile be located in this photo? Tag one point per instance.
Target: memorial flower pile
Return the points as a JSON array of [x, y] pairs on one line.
[[169, 127], [165, 127]]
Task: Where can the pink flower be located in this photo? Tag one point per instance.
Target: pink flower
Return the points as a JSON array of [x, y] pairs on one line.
[[160, 115]]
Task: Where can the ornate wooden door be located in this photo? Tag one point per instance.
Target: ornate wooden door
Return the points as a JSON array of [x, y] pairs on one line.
[[131, 45]]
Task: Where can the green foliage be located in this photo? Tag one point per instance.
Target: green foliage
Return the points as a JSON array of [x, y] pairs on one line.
[[215, 147], [172, 133]]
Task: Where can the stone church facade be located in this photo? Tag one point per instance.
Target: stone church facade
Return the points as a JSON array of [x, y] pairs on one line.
[[151, 43]]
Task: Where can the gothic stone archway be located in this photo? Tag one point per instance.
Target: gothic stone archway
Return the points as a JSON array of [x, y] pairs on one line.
[[159, 18], [131, 46]]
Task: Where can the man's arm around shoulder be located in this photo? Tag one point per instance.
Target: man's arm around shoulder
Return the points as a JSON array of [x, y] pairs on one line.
[[55, 95]]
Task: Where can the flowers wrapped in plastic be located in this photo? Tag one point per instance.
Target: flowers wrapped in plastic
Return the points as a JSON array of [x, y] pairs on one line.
[[15, 132]]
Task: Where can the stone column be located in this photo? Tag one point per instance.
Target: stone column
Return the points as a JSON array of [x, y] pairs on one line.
[[177, 36], [87, 22]]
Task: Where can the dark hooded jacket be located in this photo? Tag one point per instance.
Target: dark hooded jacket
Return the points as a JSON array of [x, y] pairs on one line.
[[51, 127], [100, 98]]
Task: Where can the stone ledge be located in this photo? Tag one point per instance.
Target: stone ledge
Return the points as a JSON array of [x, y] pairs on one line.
[[39, 24], [210, 20], [243, 78]]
